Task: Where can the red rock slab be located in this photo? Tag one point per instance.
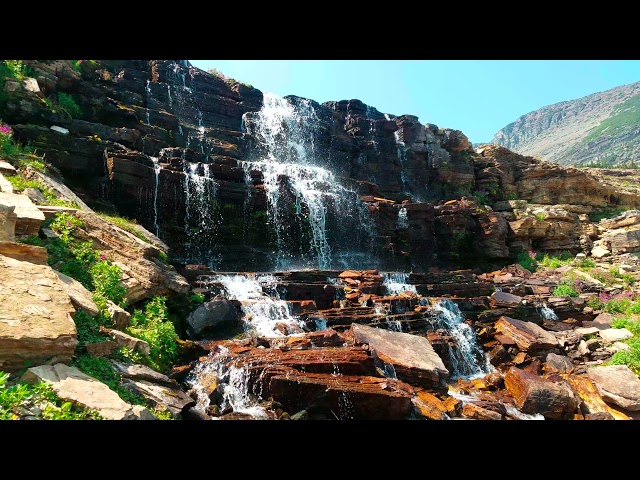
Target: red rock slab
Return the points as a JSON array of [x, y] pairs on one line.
[[350, 274], [326, 338], [348, 397], [412, 356], [593, 403], [347, 361], [535, 394], [527, 335], [503, 299]]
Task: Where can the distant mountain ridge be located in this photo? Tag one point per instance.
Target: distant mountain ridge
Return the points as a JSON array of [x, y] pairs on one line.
[[600, 129]]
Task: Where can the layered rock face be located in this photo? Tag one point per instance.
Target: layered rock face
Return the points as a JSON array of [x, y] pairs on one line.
[[180, 150]]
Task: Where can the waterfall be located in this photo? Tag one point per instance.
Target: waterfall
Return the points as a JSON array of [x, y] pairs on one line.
[[233, 384], [200, 225], [262, 313], [403, 221], [156, 169], [321, 324], [396, 283], [304, 198], [147, 90], [547, 312], [468, 360]]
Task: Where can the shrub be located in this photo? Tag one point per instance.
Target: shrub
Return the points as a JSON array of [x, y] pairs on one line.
[[107, 279], [528, 261], [154, 327], [564, 290], [89, 328], [69, 105], [630, 358], [564, 258], [540, 216], [587, 264]]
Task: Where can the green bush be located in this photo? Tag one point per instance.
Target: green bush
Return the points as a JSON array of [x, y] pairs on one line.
[[565, 291], [69, 105], [33, 240], [630, 358], [595, 303], [25, 396], [564, 258], [154, 327], [632, 325], [525, 260], [107, 279], [89, 328], [587, 264]]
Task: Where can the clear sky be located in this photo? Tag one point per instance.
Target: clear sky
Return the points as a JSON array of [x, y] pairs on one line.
[[478, 97]]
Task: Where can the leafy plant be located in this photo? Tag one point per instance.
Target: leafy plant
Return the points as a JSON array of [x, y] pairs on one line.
[[69, 105], [33, 240], [564, 290], [564, 258], [540, 216], [630, 358], [197, 298], [154, 327], [107, 279], [528, 260]]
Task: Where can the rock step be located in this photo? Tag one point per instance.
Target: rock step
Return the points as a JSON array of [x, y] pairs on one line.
[[28, 216]]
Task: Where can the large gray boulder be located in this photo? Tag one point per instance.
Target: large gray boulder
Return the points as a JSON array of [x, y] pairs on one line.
[[209, 315], [617, 384]]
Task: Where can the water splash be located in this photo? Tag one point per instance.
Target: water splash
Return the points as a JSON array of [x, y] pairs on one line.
[[403, 221], [396, 283], [263, 314], [468, 360], [147, 90], [547, 313], [321, 324]]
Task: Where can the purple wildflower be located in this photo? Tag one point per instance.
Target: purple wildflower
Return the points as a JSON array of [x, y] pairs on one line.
[[533, 254], [68, 224], [6, 129], [103, 257]]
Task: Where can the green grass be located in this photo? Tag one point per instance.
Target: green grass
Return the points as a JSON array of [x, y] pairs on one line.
[[525, 260], [631, 357], [624, 116], [540, 216], [124, 223], [20, 183], [67, 103], [21, 396], [606, 214], [564, 258]]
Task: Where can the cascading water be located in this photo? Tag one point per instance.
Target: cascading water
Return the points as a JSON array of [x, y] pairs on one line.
[[468, 360], [301, 192], [200, 224], [547, 312], [156, 169], [403, 221], [396, 283], [263, 313]]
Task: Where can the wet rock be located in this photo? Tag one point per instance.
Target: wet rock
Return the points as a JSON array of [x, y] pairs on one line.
[[209, 315], [527, 335], [535, 394], [476, 412], [498, 355], [412, 357], [325, 338], [429, 406], [617, 384], [70, 384]]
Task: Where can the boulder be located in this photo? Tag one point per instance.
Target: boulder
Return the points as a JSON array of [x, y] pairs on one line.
[[70, 384], [36, 326], [412, 356], [618, 385], [527, 335], [5, 185], [142, 372], [7, 222], [101, 349], [125, 340], [171, 398], [28, 216], [325, 338], [592, 402], [81, 298], [35, 195], [555, 363], [535, 394], [611, 335], [209, 315], [476, 412], [429, 406], [599, 252]]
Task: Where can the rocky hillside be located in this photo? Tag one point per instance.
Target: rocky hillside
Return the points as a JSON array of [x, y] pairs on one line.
[[601, 129]]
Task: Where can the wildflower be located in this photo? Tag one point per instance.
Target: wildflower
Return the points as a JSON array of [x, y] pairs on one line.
[[6, 129], [68, 224], [103, 257], [533, 254]]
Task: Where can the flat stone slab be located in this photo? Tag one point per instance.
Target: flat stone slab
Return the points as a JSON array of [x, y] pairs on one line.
[[412, 356], [171, 398], [503, 299], [615, 334], [28, 216], [5, 185], [527, 335], [6, 168], [35, 316], [81, 298], [618, 385], [72, 385]]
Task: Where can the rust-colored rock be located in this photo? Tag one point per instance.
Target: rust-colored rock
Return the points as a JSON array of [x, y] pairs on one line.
[[430, 406], [474, 411], [527, 335], [535, 394], [592, 402]]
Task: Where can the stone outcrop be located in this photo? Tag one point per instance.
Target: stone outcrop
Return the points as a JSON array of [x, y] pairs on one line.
[[207, 316], [27, 216], [618, 385], [81, 298], [70, 384], [35, 315]]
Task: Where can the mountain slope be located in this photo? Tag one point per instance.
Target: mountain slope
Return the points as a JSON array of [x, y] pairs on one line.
[[602, 128]]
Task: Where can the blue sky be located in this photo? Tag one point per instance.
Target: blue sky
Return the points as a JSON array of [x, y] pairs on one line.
[[478, 97]]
